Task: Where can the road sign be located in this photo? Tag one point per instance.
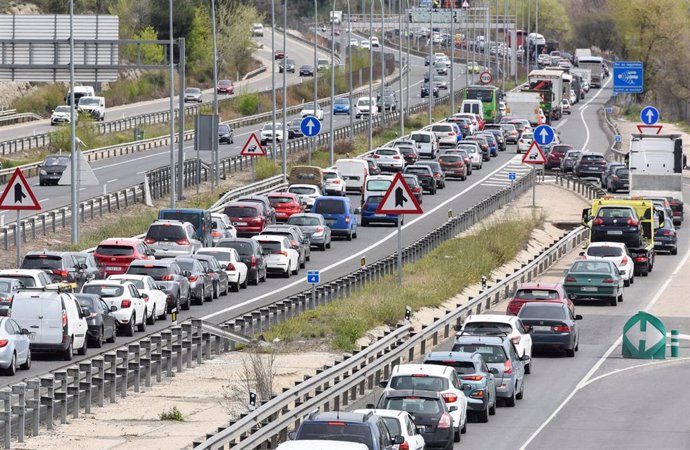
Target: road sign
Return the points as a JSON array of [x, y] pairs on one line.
[[399, 199], [617, 138], [649, 129], [644, 337], [485, 78], [465, 4], [534, 155], [544, 134], [310, 126], [609, 110], [628, 76], [313, 277], [512, 176], [649, 115], [18, 195], [253, 147]]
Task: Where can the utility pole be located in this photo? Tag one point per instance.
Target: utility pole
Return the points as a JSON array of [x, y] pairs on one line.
[[173, 194], [273, 79], [283, 153]]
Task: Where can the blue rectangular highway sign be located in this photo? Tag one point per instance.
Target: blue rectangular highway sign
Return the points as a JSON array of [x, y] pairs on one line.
[[313, 277], [628, 77], [512, 176]]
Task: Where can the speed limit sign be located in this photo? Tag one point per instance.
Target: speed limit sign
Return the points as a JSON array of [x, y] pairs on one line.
[[485, 78]]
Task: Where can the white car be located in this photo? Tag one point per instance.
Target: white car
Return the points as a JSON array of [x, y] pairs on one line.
[[573, 97], [280, 257], [474, 153], [363, 106], [525, 141], [389, 159], [333, 183], [354, 42], [62, 114], [31, 278], [615, 252], [308, 110], [442, 379], [375, 42], [427, 145], [131, 306], [366, 44], [565, 106], [490, 324], [445, 134], [307, 192], [229, 227], [399, 423], [230, 260], [267, 133], [156, 302], [442, 58]]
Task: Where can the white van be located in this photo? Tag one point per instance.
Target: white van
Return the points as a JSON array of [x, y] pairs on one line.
[[427, 145], [376, 185], [79, 92], [472, 107], [364, 105], [95, 106], [354, 172], [318, 444], [56, 321]]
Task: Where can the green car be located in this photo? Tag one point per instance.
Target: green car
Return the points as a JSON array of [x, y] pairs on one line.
[[598, 280]]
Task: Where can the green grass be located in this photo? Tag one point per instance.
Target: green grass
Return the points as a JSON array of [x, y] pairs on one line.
[[123, 227], [632, 112], [453, 266], [172, 414]]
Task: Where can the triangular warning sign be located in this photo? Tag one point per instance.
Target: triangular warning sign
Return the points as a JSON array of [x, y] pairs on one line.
[[465, 4], [649, 129], [253, 147], [399, 199], [18, 194], [534, 155]]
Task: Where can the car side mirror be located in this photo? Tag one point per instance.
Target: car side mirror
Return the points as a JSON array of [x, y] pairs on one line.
[[144, 295], [83, 266], [578, 317], [292, 435], [223, 266], [358, 210], [581, 253], [85, 312], [113, 308], [152, 251], [370, 406], [524, 357], [383, 383], [161, 287], [452, 409], [187, 273], [398, 439], [25, 331], [493, 371]]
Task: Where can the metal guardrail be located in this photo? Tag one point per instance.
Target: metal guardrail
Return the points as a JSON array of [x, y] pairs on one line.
[[615, 148], [11, 116]]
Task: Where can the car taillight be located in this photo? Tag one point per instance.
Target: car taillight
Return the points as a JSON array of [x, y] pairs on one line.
[[449, 397], [230, 266], [396, 157], [560, 329], [514, 308], [376, 156], [570, 280], [283, 252], [149, 241], [624, 261], [437, 175], [64, 318], [60, 272], [347, 219], [404, 446], [640, 259], [479, 393], [3, 343], [598, 221], [515, 339], [607, 280], [216, 234], [335, 181], [167, 278], [452, 133], [193, 278], [632, 222], [293, 243], [417, 189], [182, 242], [445, 421], [668, 233], [126, 303], [508, 367], [472, 377], [253, 261]]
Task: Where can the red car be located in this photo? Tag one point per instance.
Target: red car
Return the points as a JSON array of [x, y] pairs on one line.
[[115, 254], [553, 159], [538, 292], [246, 217], [280, 54], [286, 204], [225, 87]]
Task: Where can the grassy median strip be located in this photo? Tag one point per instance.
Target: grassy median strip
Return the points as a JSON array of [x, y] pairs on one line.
[[450, 268]]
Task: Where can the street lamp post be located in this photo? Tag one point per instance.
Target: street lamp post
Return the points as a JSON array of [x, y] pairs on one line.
[[214, 156], [407, 58], [383, 65], [401, 107], [283, 153], [330, 135], [273, 78], [431, 56], [371, 73], [316, 65], [173, 194], [452, 58], [349, 52]]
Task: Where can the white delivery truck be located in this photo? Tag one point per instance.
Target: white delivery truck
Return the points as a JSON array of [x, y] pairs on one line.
[[336, 17], [595, 64], [656, 165], [524, 105], [580, 53]]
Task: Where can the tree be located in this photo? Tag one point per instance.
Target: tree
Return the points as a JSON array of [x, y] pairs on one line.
[[150, 53], [235, 46], [183, 15], [199, 45], [133, 15]]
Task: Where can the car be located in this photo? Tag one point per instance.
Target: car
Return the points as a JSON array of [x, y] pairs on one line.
[[499, 353], [619, 220], [478, 382], [372, 167], [369, 214], [298, 241], [15, 347], [226, 135], [322, 64], [389, 159], [354, 42], [440, 379], [157, 299], [220, 230], [415, 186], [552, 326], [200, 283], [589, 165], [333, 183], [8, 288], [218, 275], [88, 267], [594, 280], [285, 204], [473, 67], [339, 214], [247, 218], [279, 54], [374, 41], [102, 325], [665, 237], [257, 30], [525, 141], [565, 106], [497, 324], [62, 115], [366, 106], [453, 166], [287, 64], [492, 142], [537, 292], [445, 133], [307, 193], [368, 429], [399, 423], [308, 110], [341, 106], [432, 415], [676, 210], [573, 98], [131, 309], [426, 142], [61, 267], [617, 252], [281, 258], [169, 277], [424, 92], [440, 68], [408, 150], [439, 82], [555, 156], [425, 176], [229, 261], [474, 152], [365, 44], [437, 170], [306, 70], [389, 102], [52, 169], [610, 168], [115, 255], [294, 128], [483, 145], [314, 228], [193, 94], [170, 238], [250, 254], [268, 133], [569, 159], [225, 87]]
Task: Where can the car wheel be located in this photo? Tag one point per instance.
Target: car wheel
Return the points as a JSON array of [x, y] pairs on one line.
[[68, 353], [364, 223], [528, 367], [613, 301], [511, 401], [82, 350], [286, 274], [27, 363], [570, 353], [186, 305], [151, 320], [227, 287], [674, 251], [215, 293], [492, 408], [483, 417], [263, 279], [113, 338], [255, 281], [12, 368], [99, 340], [163, 315], [521, 394], [456, 436], [626, 283], [620, 297], [243, 285], [632, 279], [142, 326], [322, 247], [303, 264], [349, 236]]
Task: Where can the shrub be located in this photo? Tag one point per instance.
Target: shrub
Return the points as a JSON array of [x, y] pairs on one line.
[[266, 168], [173, 414]]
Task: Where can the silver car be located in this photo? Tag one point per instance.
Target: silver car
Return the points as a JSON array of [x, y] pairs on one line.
[[171, 238], [17, 351], [314, 227], [192, 94]]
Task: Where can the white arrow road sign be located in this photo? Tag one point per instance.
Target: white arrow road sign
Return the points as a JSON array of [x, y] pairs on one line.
[[651, 336]]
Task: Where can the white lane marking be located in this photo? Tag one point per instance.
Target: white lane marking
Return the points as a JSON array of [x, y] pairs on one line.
[[127, 161], [112, 181], [563, 122], [361, 252], [638, 366], [582, 113], [44, 200], [585, 380]]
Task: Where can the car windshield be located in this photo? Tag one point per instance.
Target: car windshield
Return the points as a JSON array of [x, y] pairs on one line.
[[330, 207], [56, 161], [461, 367], [421, 138], [114, 250], [186, 264], [417, 170], [444, 128], [537, 294], [374, 199], [591, 267], [280, 200], [363, 102], [27, 281], [104, 291], [592, 158], [572, 155], [450, 158], [243, 248], [269, 247], [41, 262], [329, 176], [62, 109], [139, 284], [87, 101], [419, 382], [487, 328], [342, 101], [241, 211], [269, 126], [542, 311], [223, 129], [605, 252], [337, 431], [87, 302], [411, 181], [193, 91], [622, 172], [378, 185], [615, 213], [386, 152], [165, 232], [490, 353], [224, 83], [415, 405], [468, 148], [221, 256], [5, 286], [155, 272], [304, 221]]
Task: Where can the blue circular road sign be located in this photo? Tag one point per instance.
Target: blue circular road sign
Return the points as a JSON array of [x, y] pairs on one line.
[[544, 134], [310, 126], [649, 115]]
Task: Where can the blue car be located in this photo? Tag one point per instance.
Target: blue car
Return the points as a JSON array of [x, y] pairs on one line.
[[493, 144], [369, 212], [341, 106], [339, 215]]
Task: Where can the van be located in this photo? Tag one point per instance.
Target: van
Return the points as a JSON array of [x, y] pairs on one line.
[[426, 142], [199, 218], [339, 215], [94, 106], [79, 92], [306, 175], [354, 172], [56, 321], [364, 105], [472, 107]]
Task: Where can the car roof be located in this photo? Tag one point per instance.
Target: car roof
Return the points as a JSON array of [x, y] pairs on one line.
[[413, 392], [121, 241], [107, 282], [32, 272], [483, 339], [455, 356], [268, 237], [127, 276], [165, 262], [606, 244], [340, 416], [534, 285], [243, 204], [411, 369], [499, 318], [46, 252]]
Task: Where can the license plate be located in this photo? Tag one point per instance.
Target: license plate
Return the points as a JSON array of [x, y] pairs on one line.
[[330, 222], [541, 328], [589, 288], [379, 215], [614, 232], [241, 224], [110, 269]]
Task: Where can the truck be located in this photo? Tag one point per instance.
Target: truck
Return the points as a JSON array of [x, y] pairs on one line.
[[628, 221], [581, 52], [524, 105], [595, 64], [336, 17], [655, 163], [549, 83]]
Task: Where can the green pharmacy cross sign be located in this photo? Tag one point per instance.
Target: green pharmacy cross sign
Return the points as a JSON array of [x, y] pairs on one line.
[[644, 337]]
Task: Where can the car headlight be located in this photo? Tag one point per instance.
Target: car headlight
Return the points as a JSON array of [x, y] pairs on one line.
[[43, 172]]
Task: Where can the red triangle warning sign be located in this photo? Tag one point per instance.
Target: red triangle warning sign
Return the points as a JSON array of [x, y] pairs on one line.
[[649, 129], [399, 199], [534, 155], [253, 147], [18, 195]]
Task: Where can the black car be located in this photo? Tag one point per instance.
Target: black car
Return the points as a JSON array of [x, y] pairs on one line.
[[373, 166], [288, 64], [424, 175], [498, 135], [431, 415], [552, 326], [52, 169], [306, 71], [170, 278], [226, 134], [610, 168], [219, 277], [436, 169], [425, 90], [665, 237], [409, 153], [415, 186], [102, 324], [298, 241], [8, 287], [251, 254], [200, 282], [294, 128], [590, 165], [62, 267], [368, 429], [619, 179]]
